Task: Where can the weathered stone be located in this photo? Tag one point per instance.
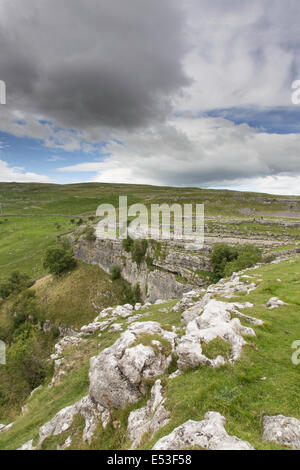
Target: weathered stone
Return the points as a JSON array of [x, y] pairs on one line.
[[5, 427], [215, 322], [282, 430], [115, 327], [274, 302], [27, 446], [62, 421], [209, 434], [117, 373], [149, 418]]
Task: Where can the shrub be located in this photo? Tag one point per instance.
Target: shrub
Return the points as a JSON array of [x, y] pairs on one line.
[[26, 306], [59, 260], [138, 250], [89, 234], [222, 254], [248, 255], [115, 273], [15, 283], [226, 259], [131, 295], [25, 362], [127, 244], [149, 261]]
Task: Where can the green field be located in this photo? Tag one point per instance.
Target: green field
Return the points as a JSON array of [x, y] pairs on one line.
[[33, 215]]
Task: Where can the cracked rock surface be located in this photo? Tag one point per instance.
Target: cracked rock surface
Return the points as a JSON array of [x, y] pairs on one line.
[[209, 434], [117, 375], [215, 322], [62, 421], [149, 418], [282, 430]]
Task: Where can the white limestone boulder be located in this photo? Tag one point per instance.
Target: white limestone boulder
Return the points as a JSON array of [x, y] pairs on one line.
[[282, 430], [117, 375], [208, 434]]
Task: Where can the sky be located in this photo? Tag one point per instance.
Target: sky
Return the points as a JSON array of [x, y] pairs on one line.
[[170, 92]]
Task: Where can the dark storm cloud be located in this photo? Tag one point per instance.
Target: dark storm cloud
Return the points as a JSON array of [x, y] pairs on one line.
[[91, 63]]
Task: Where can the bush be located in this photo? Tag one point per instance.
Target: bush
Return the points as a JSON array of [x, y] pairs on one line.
[[138, 250], [59, 260], [89, 234], [222, 254], [25, 361], [149, 261], [248, 255], [131, 295], [16, 283], [127, 244], [226, 259], [115, 273]]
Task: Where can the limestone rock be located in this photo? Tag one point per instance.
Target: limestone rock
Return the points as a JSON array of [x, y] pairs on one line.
[[5, 427], [63, 419], [209, 434], [215, 322], [274, 302], [123, 311], [118, 373], [149, 418], [115, 327], [63, 343], [27, 446], [95, 326], [282, 430]]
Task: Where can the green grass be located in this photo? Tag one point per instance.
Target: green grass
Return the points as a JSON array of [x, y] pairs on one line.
[[24, 240], [70, 300], [215, 348]]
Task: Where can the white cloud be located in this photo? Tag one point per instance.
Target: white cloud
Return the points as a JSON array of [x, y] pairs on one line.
[[198, 152], [19, 175], [55, 158], [243, 54]]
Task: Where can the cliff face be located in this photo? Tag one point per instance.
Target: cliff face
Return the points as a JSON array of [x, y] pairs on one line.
[[168, 277]]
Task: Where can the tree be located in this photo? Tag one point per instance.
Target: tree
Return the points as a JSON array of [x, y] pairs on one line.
[[15, 283], [220, 255], [227, 259], [59, 260]]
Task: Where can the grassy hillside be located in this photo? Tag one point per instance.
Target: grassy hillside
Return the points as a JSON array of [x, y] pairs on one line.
[[263, 381], [82, 199], [33, 214], [75, 299]]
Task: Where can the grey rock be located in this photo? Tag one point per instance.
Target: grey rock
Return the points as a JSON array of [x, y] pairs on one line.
[[282, 430], [117, 374], [274, 302], [209, 434], [215, 322], [62, 421], [149, 418]]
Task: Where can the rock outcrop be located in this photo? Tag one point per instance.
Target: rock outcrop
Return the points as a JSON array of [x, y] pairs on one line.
[[118, 374], [214, 321], [161, 281], [208, 434], [62, 421], [274, 302], [282, 430], [149, 418]]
